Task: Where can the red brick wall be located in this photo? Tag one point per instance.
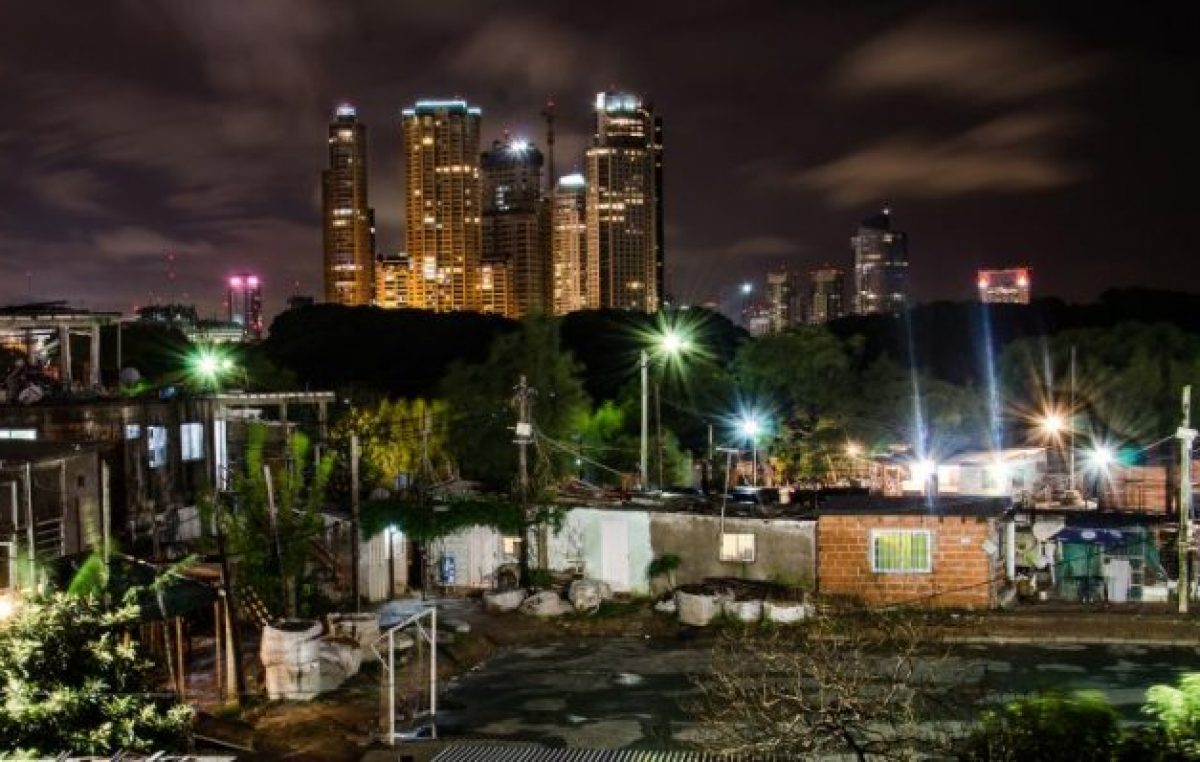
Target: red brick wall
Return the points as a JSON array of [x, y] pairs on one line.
[[961, 569]]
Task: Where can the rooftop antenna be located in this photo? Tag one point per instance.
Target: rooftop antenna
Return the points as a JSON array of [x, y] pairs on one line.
[[170, 263], [548, 115]]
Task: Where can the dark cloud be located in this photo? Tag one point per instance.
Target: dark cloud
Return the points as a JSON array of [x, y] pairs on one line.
[[962, 59], [1010, 154], [529, 52], [76, 191]]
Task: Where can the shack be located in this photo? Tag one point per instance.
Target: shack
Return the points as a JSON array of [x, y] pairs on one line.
[[921, 551]]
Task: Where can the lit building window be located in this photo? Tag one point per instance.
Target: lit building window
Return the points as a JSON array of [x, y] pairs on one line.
[[901, 551], [738, 548], [191, 441]]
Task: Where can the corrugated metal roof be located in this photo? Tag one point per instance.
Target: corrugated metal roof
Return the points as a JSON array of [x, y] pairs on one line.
[[490, 753]]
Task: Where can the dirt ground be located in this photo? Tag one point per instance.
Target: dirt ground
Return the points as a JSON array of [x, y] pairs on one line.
[[340, 726]]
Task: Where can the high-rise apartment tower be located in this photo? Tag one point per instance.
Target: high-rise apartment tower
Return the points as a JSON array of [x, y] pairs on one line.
[[624, 204], [515, 234], [443, 203], [826, 294], [244, 299], [880, 266], [783, 297], [575, 272], [347, 221]]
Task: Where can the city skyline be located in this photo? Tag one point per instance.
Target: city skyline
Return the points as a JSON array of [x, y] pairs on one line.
[[198, 131]]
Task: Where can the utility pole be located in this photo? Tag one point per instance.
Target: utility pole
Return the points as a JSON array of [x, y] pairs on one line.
[[658, 435], [524, 434], [644, 473], [1186, 435], [354, 455]]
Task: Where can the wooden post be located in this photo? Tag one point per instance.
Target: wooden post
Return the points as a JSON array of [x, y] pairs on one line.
[[218, 673], [179, 658], [236, 682]]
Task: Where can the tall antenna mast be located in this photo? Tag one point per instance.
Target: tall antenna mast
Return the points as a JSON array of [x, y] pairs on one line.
[[548, 114], [170, 262]]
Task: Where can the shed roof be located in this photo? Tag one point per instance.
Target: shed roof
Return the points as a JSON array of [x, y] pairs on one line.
[[915, 505]]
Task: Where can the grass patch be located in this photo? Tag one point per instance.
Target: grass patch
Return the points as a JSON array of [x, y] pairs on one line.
[[614, 608]]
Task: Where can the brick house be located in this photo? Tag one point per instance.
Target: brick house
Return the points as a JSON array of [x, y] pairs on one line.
[[887, 551]]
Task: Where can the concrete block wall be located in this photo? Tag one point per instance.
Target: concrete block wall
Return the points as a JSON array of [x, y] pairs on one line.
[[963, 574], [785, 549]]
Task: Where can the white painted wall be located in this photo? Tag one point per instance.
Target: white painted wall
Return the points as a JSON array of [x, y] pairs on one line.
[[608, 544]]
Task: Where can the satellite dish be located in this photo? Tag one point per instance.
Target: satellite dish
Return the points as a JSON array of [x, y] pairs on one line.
[[130, 376]]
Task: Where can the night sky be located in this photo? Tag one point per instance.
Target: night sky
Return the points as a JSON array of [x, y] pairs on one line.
[[1064, 138]]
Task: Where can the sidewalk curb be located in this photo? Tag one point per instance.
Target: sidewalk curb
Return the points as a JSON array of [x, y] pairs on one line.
[[1100, 640]]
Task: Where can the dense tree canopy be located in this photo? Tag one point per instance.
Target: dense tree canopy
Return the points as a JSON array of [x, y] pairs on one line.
[[925, 380], [481, 413]]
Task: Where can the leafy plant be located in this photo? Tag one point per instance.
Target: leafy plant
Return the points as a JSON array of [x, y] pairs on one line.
[[540, 578], [1178, 712], [69, 681], [1082, 726], [272, 551], [664, 566]]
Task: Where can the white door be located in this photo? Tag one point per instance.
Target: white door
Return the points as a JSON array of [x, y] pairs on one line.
[[614, 549]]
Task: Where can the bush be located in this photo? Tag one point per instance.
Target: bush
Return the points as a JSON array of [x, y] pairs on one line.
[[1081, 727], [67, 682], [1178, 713]]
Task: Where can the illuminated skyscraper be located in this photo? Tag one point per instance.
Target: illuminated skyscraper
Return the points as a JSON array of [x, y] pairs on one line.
[[393, 279], [880, 266], [347, 219], [624, 204], [575, 271], [1008, 286], [245, 304], [443, 203], [514, 223], [826, 294], [783, 296]]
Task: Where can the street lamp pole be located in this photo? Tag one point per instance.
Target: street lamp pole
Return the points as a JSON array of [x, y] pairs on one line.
[[1071, 430], [644, 473]]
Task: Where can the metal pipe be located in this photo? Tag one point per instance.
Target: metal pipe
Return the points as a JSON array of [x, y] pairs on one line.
[[433, 670], [392, 687]]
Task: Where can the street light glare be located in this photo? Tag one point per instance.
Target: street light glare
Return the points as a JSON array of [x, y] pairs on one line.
[[750, 427], [1052, 423], [673, 343], [1102, 456], [208, 364], [747, 287], [853, 449], [923, 470]]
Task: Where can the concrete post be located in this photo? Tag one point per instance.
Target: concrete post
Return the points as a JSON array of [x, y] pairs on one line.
[[64, 354], [94, 347]]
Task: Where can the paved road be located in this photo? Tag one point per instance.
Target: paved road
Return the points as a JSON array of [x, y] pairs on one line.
[[626, 692]]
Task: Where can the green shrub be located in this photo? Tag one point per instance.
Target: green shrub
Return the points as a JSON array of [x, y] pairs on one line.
[[69, 682], [1177, 711], [542, 579], [1082, 727]]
